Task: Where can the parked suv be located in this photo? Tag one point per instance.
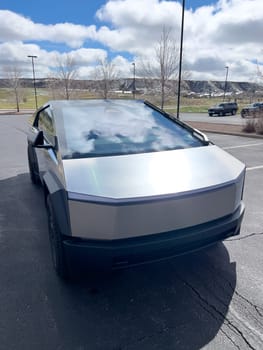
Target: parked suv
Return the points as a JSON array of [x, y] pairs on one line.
[[223, 109], [252, 110]]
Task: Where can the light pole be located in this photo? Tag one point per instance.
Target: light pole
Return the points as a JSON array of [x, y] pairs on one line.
[[134, 87], [180, 62], [34, 78], [225, 82]]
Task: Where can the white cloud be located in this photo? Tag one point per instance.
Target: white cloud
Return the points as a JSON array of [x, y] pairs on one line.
[[123, 66], [84, 57], [228, 32], [135, 25], [16, 52], [146, 13], [17, 27]]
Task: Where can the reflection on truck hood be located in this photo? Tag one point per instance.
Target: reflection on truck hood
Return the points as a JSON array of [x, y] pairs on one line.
[[152, 174]]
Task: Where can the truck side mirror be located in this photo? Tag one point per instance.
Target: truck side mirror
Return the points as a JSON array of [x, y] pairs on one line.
[[38, 142]]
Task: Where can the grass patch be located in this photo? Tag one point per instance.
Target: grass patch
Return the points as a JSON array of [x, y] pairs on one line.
[[27, 100]]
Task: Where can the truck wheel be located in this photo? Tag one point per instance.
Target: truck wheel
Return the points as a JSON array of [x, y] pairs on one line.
[[56, 246]]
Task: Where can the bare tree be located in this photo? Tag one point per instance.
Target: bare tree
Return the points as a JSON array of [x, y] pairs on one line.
[[164, 65], [13, 75], [105, 73], [52, 84], [259, 72], [67, 71], [167, 57]]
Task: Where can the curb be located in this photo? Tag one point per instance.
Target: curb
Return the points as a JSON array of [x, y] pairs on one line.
[[13, 112], [254, 136], [225, 129]]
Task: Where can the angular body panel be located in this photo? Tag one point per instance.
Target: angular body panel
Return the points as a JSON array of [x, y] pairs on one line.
[[104, 221], [151, 174], [150, 193]]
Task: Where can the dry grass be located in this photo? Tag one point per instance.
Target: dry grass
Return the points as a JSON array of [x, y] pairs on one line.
[[249, 127], [259, 125], [254, 125]]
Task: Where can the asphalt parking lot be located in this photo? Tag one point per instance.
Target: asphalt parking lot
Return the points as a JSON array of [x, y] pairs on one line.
[[212, 299]]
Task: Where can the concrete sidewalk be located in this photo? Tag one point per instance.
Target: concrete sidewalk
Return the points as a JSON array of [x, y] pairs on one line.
[[14, 111]]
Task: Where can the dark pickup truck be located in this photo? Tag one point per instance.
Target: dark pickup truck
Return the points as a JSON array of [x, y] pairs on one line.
[[223, 108]]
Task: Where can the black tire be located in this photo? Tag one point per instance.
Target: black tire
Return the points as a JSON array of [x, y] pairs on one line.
[[210, 114], [56, 246], [33, 167]]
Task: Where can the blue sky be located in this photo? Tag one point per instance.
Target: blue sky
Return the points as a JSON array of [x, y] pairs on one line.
[[217, 33], [77, 11], [48, 11]]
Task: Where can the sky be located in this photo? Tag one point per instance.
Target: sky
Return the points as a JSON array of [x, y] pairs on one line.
[[217, 34]]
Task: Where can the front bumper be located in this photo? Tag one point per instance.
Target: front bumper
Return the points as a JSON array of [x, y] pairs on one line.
[[119, 253]]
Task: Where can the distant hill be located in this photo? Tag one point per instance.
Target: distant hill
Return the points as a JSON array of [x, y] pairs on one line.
[[151, 86], [218, 87]]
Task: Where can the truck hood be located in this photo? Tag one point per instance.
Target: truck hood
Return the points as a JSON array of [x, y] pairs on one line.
[[152, 174]]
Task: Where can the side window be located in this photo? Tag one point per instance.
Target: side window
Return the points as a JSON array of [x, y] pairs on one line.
[[46, 124]]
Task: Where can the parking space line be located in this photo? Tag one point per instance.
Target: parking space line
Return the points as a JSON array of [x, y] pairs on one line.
[[246, 145], [255, 167]]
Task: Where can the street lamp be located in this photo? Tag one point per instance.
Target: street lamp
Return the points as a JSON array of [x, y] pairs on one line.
[[180, 62], [134, 87], [225, 82], [34, 78]]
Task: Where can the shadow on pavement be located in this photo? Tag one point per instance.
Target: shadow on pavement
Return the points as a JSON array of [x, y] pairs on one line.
[[178, 304]]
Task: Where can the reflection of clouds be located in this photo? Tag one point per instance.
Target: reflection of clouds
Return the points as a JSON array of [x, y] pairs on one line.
[[133, 125], [120, 126], [75, 121]]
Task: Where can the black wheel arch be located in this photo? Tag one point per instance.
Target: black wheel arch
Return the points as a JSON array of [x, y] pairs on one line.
[[33, 164], [59, 201]]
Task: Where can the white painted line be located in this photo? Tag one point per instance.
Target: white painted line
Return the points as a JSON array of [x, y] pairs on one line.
[[247, 145], [255, 167]]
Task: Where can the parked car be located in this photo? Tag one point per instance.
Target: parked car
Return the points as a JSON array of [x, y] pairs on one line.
[[125, 183], [223, 109], [252, 110]]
